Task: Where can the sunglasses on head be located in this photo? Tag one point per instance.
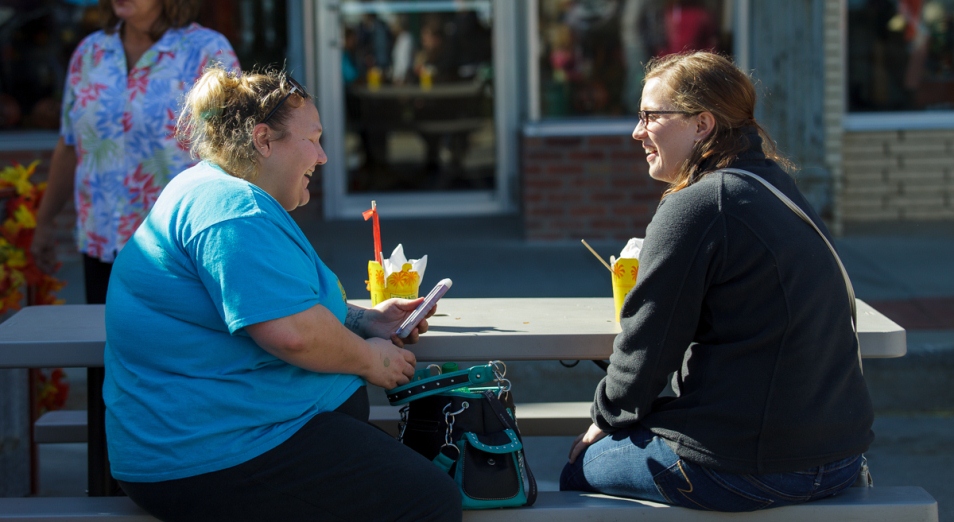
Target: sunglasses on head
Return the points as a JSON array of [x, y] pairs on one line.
[[296, 87]]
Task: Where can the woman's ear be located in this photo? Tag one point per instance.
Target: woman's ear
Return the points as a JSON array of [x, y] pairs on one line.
[[261, 139], [705, 124]]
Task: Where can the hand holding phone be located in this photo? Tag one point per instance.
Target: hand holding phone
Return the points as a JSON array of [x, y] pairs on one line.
[[421, 311]]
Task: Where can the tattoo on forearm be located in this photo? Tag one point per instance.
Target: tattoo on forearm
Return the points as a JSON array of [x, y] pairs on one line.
[[353, 319], [387, 362]]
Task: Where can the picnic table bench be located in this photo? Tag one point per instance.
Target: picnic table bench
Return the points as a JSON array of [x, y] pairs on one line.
[[907, 504]]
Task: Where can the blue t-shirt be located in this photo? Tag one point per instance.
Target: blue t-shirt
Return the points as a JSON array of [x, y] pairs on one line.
[[187, 390]]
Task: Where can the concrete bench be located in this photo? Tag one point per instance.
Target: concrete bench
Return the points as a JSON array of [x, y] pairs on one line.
[[535, 419], [60, 426], [907, 504]]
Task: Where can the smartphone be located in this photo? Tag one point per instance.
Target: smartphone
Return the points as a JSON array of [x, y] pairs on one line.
[[436, 293]]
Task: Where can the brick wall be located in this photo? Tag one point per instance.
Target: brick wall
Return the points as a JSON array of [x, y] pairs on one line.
[[586, 187], [898, 176]]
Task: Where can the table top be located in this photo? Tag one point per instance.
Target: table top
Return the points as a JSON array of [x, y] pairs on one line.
[[462, 330], [46, 336], [571, 328]]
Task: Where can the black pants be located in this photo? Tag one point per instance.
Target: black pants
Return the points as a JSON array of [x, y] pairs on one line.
[[96, 276], [336, 467]]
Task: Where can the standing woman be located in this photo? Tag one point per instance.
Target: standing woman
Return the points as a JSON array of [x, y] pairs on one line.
[[117, 146], [744, 303]]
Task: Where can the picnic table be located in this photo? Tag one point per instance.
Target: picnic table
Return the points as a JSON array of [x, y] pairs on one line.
[[465, 330]]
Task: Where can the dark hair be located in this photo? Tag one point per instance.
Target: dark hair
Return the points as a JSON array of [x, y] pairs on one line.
[[703, 81], [175, 14], [222, 109]]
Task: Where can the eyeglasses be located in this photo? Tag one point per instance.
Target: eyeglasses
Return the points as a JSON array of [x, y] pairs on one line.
[[296, 87], [649, 116]]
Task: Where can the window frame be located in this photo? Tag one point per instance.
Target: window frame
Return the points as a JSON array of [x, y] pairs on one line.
[[908, 120], [322, 33]]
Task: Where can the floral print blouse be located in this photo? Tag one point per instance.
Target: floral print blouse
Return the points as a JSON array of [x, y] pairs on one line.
[[122, 125]]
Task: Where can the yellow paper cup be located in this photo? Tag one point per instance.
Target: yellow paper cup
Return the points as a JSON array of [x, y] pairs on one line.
[[404, 284], [624, 279], [379, 291]]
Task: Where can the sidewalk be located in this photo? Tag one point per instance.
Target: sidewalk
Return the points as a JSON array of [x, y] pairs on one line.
[[903, 270]]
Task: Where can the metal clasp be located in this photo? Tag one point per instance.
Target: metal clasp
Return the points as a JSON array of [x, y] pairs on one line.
[[503, 384], [449, 420]]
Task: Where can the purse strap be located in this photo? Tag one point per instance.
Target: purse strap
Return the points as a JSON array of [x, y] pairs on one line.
[[797, 210], [427, 386], [507, 419]]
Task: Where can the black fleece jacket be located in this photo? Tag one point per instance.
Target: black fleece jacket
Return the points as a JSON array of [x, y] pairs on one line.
[[745, 303]]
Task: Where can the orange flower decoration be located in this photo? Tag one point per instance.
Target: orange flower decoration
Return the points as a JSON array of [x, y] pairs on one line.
[[52, 389], [619, 270], [17, 268]]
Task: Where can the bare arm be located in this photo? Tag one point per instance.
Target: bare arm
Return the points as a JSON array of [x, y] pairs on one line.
[[315, 340], [59, 189], [382, 320]]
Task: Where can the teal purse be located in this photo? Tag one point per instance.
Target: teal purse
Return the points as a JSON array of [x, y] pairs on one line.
[[464, 422]]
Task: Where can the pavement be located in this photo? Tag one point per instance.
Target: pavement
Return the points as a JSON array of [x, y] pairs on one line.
[[904, 270]]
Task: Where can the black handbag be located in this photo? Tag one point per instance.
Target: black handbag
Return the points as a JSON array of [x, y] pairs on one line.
[[465, 422]]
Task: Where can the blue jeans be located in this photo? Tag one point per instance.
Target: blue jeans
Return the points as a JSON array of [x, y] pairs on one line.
[[637, 464]]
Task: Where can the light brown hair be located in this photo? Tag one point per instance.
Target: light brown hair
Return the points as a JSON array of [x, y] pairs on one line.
[[703, 81], [222, 109], [175, 14]]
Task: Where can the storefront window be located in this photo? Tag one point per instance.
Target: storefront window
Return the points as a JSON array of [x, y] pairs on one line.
[[257, 29], [591, 52], [36, 40], [419, 98], [38, 37], [900, 55]]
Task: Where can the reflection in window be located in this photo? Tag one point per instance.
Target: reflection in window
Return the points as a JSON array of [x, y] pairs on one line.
[[593, 51], [416, 42], [900, 55], [257, 29], [37, 38], [419, 100]]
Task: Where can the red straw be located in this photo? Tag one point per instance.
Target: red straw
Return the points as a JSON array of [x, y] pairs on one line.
[[373, 213]]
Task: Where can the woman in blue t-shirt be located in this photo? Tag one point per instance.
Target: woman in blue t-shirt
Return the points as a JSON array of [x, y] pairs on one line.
[[235, 369]]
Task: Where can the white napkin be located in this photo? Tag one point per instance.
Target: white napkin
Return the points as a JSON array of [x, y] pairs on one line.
[[397, 261], [630, 250]]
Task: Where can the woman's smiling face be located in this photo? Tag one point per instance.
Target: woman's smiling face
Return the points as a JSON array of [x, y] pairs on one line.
[[286, 171], [668, 139]]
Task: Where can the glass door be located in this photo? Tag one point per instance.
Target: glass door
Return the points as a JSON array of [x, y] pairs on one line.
[[412, 85]]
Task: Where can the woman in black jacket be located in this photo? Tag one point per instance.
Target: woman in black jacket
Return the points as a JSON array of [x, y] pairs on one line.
[[743, 303]]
